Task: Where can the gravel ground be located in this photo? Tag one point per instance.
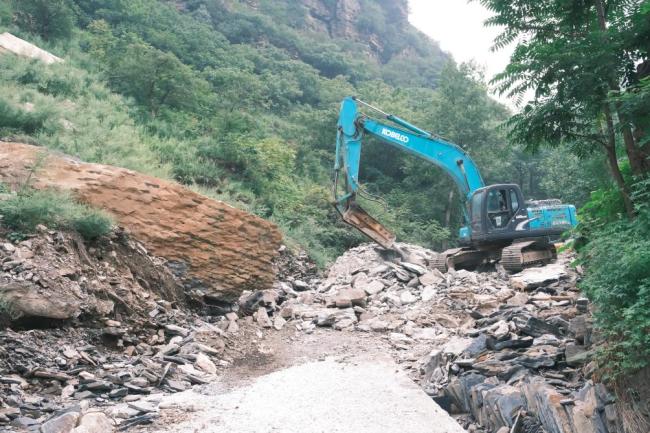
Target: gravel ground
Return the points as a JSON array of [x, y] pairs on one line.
[[336, 395]]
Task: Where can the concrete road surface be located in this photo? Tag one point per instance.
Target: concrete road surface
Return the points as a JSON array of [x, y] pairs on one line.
[[331, 396]]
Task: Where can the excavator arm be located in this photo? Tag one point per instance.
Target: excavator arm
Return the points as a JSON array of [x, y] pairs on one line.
[[353, 126]]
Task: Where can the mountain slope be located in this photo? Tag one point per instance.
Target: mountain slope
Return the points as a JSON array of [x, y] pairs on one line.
[[239, 99]]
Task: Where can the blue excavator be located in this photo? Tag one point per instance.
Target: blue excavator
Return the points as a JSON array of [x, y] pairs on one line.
[[499, 225]]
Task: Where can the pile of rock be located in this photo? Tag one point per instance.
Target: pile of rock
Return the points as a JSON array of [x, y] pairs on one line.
[[99, 325], [511, 351]]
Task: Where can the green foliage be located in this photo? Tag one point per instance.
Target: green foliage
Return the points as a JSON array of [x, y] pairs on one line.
[[69, 109], [17, 120], [50, 19], [29, 208], [618, 282], [617, 255], [6, 13], [158, 80]]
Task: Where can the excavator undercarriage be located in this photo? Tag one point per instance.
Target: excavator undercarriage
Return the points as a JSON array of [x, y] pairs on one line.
[[513, 257]]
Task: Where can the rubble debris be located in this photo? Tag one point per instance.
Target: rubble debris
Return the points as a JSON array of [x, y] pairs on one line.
[[108, 349], [503, 349], [486, 351]]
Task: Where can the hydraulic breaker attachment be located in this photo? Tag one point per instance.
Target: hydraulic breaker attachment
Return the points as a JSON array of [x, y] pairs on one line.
[[354, 215]]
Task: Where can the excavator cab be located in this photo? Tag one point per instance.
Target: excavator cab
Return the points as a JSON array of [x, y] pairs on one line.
[[495, 211]]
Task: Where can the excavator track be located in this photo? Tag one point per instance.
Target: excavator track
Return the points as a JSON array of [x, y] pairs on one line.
[[517, 256], [439, 262], [459, 258]]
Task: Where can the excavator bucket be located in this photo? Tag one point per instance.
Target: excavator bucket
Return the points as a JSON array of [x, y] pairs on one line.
[[358, 218]]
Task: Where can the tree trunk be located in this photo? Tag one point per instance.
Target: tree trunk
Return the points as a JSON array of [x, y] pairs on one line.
[[450, 201], [639, 162], [638, 159], [610, 150]]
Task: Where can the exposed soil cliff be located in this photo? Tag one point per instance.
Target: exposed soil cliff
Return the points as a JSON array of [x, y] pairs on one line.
[[217, 251]]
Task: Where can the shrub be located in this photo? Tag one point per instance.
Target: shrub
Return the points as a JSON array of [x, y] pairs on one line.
[[617, 257], [16, 120], [29, 208], [50, 19]]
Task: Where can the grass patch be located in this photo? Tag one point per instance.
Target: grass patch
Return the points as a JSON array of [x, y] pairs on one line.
[[24, 211]]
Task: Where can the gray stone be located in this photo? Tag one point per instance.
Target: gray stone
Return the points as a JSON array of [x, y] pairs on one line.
[[278, 323], [143, 406], [179, 385], [407, 298], [581, 327], [514, 343], [118, 393], [205, 364], [544, 401], [351, 297], [432, 278], [94, 422], [24, 422], [535, 327], [428, 293], [177, 330], [330, 317], [582, 305], [300, 286], [232, 327], [412, 267], [262, 317], [61, 423], [531, 278], [501, 404], [372, 287], [577, 355], [519, 299], [459, 390], [535, 362]]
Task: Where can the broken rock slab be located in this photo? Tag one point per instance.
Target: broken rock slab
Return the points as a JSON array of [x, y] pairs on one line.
[[532, 278], [24, 301], [211, 247], [94, 422]]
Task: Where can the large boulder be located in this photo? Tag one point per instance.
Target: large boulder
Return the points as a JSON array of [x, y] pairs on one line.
[[215, 250], [22, 299], [12, 44]]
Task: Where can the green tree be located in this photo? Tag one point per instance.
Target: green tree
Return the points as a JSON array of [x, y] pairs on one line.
[[573, 55], [158, 80], [50, 19]]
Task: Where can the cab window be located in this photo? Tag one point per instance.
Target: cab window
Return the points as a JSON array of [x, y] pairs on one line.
[[477, 204], [514, 201], [497, 201], [497, 208]]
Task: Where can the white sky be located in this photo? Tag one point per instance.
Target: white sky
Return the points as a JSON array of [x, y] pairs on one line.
[[458, 26]]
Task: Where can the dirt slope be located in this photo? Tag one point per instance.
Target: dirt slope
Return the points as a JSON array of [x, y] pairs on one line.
[[216, 250]]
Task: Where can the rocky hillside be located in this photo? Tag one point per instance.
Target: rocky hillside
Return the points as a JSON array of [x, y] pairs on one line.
[[376, 32]]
